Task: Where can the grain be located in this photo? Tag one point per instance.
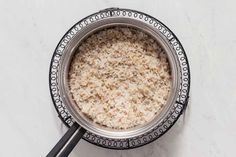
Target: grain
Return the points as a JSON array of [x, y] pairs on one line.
[[120, 78]]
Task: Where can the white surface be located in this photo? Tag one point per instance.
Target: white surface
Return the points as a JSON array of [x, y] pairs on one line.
[[30, 30]]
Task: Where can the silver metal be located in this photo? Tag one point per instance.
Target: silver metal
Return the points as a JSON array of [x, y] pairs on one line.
[[64, 68]]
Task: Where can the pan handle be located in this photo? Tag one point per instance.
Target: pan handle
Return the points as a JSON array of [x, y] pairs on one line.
[[66, 144]]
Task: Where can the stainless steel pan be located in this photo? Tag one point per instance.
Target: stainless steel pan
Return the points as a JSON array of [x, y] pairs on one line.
[[81, 122]]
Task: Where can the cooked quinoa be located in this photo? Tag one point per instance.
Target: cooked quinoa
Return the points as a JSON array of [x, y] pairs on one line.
[[120, 78]]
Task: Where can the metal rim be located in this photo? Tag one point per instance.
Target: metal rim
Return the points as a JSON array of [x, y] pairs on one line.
[[71, 106], [182, 101]]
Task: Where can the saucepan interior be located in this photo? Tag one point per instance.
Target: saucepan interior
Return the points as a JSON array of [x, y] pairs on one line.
[[87, 123]]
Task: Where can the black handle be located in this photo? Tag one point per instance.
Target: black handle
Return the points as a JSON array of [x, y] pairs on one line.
[[66, 144]]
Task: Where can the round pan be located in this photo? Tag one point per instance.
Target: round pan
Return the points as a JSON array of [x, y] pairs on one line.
[[82, 123]]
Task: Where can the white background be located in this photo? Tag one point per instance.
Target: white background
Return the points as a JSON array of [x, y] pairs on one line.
[[29, 32]]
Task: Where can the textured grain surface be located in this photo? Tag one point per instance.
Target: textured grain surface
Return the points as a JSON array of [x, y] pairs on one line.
[[120, 78]]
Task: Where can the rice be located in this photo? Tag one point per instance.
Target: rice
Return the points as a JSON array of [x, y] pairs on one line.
[[120, 78]]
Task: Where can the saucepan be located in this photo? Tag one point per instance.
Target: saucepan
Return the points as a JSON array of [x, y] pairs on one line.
[[107, 18]]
